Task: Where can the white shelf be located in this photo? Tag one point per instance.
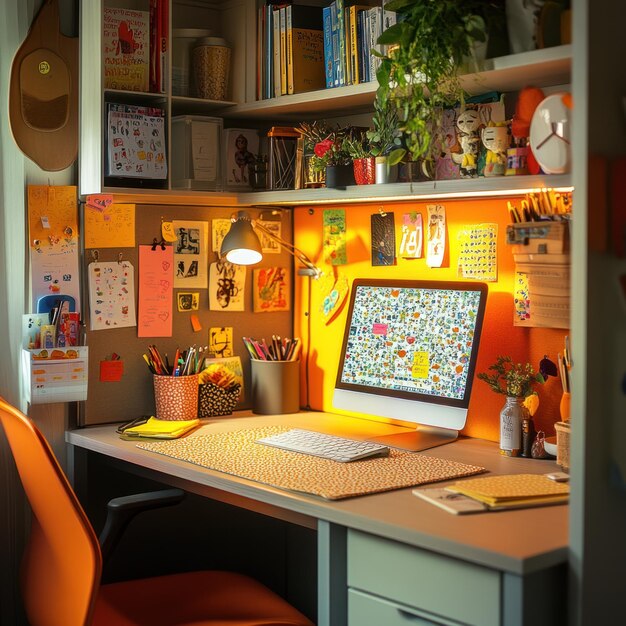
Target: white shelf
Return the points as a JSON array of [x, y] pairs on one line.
[[394, 192]]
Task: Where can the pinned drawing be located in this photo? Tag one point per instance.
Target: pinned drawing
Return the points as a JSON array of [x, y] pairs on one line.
[[190, 254], [226, 286], [412, 236], [436, 235], [221, 342], [219, 230], [271, 289]]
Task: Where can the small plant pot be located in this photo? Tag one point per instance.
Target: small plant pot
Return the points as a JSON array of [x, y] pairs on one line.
[[340, 176], [385, 173], [365, 171]]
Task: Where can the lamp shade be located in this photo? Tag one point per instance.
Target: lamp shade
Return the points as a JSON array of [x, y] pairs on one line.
[[241, 244]]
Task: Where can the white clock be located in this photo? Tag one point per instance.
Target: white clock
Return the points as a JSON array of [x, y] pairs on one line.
[[550, 133]]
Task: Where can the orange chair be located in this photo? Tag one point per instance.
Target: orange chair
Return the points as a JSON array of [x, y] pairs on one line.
[[62, 563]]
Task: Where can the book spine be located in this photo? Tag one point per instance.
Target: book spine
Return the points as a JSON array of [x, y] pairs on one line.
[[354, 48], [283, 51], [260, 42], [289, 26], [376, 15], [276, 52], [341, 34], [328, 47], [163, 44], [335, 36], [269, 52], [361, 46], [154, 46]]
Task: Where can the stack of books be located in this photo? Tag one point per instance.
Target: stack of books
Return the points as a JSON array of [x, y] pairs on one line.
[[497, 492]]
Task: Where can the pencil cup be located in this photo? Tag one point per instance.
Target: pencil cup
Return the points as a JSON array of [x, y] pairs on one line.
[[176, 397], [275, 387], [565, 406]]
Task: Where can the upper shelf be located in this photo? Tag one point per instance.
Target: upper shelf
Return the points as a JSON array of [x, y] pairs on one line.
[[549, 66], [361, 194]]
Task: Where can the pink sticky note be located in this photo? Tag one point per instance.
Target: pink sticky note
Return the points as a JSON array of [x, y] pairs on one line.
[[379, 329]]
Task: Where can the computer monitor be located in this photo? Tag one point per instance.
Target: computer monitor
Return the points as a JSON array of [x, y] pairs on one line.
[[409, 353]]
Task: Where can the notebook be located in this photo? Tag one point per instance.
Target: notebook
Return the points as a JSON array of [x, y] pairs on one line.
[[160, 429]]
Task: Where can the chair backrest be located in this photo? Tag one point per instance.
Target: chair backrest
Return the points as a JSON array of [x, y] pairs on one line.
[[62, 563]]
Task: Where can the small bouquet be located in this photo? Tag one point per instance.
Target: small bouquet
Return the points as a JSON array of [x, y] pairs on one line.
[[511, 379], [326, 145]]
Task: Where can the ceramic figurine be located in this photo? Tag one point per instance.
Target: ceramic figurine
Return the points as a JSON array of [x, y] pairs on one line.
[[496, 139], [468, 124]]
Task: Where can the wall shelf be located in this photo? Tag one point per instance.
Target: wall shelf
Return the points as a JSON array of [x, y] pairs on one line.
[[357, 194]]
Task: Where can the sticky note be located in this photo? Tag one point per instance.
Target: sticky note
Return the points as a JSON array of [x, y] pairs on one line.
[[195, 323], [111, 371], [421, 365]]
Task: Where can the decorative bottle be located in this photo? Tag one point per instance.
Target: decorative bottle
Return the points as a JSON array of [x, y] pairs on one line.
[[511, 418]]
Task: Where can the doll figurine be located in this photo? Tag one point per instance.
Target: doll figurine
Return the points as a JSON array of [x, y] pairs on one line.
[[496, 139], [468, 124]]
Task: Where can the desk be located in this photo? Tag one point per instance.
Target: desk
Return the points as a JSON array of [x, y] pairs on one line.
[[505, 568]]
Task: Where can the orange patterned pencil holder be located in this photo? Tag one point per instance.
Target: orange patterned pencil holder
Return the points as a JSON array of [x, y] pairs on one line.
[[176, 397]]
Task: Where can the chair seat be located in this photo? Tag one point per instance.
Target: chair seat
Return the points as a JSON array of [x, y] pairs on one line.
[[187, 599]]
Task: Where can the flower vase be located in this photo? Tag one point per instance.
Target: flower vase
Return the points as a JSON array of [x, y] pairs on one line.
[[511, 417], [339, 175], [365, 171]]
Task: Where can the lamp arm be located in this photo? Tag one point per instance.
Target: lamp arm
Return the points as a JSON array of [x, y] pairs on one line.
[[295, 252]]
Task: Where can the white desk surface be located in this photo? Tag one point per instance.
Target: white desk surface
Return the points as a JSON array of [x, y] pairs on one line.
[[517, 541]]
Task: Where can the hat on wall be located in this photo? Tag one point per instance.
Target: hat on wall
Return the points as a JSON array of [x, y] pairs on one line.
[[43, 93]]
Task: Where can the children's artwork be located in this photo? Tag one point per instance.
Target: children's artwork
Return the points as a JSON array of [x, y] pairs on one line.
[[111, 295], [270, 290], [268, 245], [383, 239], [334, 241], [227, 284], [219, 230], [156, 291], [436, 235], [412, 236], [187, 301], [190, 254], [521, 299], [53, 234], [460, 151], [242, 144], [478, 252], [221, 342], [112, 226]]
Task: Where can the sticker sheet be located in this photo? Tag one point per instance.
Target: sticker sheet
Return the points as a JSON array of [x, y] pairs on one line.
[[227, 284], [111, 295], [156, 292], [334, 237], [271, 290], [191, 255], [521, 299], [478, 252], [412, 239]]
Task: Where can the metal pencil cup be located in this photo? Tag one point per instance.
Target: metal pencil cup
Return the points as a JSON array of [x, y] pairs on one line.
[[176, 397], [275, 387]]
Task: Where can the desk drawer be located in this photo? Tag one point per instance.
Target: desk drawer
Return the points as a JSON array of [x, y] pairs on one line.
[[425, 580], [366, 610]]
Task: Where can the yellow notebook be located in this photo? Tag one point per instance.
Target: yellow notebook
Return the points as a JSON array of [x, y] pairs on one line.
[[161, 429], [513, 490]]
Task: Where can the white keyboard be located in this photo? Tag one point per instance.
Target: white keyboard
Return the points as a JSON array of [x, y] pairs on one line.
[[324, 445]]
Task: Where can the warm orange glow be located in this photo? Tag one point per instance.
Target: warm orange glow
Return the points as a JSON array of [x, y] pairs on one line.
[[499, 335]]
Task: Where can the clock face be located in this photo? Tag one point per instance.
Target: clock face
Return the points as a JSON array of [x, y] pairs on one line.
[[550, 133]]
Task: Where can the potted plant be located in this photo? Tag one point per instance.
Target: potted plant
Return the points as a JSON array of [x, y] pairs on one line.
[[363, 162], [385, 138], [425, 48], [330, 154], [516, 382]]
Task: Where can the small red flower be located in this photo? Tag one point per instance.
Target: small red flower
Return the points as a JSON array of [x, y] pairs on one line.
[[323, 147]]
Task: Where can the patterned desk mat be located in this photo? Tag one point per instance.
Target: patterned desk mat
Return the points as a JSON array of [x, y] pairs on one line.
[[237, 453]]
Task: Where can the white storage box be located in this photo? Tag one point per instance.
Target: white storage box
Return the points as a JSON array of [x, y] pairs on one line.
[[197, 153], [55, 375], [546, 279]]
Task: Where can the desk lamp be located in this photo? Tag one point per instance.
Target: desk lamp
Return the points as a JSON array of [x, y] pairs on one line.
[[241, 245]]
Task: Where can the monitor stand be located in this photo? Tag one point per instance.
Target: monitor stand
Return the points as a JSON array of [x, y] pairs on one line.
[[423, 438]]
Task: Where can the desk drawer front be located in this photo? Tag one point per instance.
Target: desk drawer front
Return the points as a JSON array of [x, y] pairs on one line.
[[431, 582], [366, 610]]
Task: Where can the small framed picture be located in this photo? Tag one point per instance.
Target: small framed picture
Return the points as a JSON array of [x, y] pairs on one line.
[[241, 147]]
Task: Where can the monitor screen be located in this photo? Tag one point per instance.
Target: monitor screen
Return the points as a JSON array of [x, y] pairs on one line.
[[409, 351]]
